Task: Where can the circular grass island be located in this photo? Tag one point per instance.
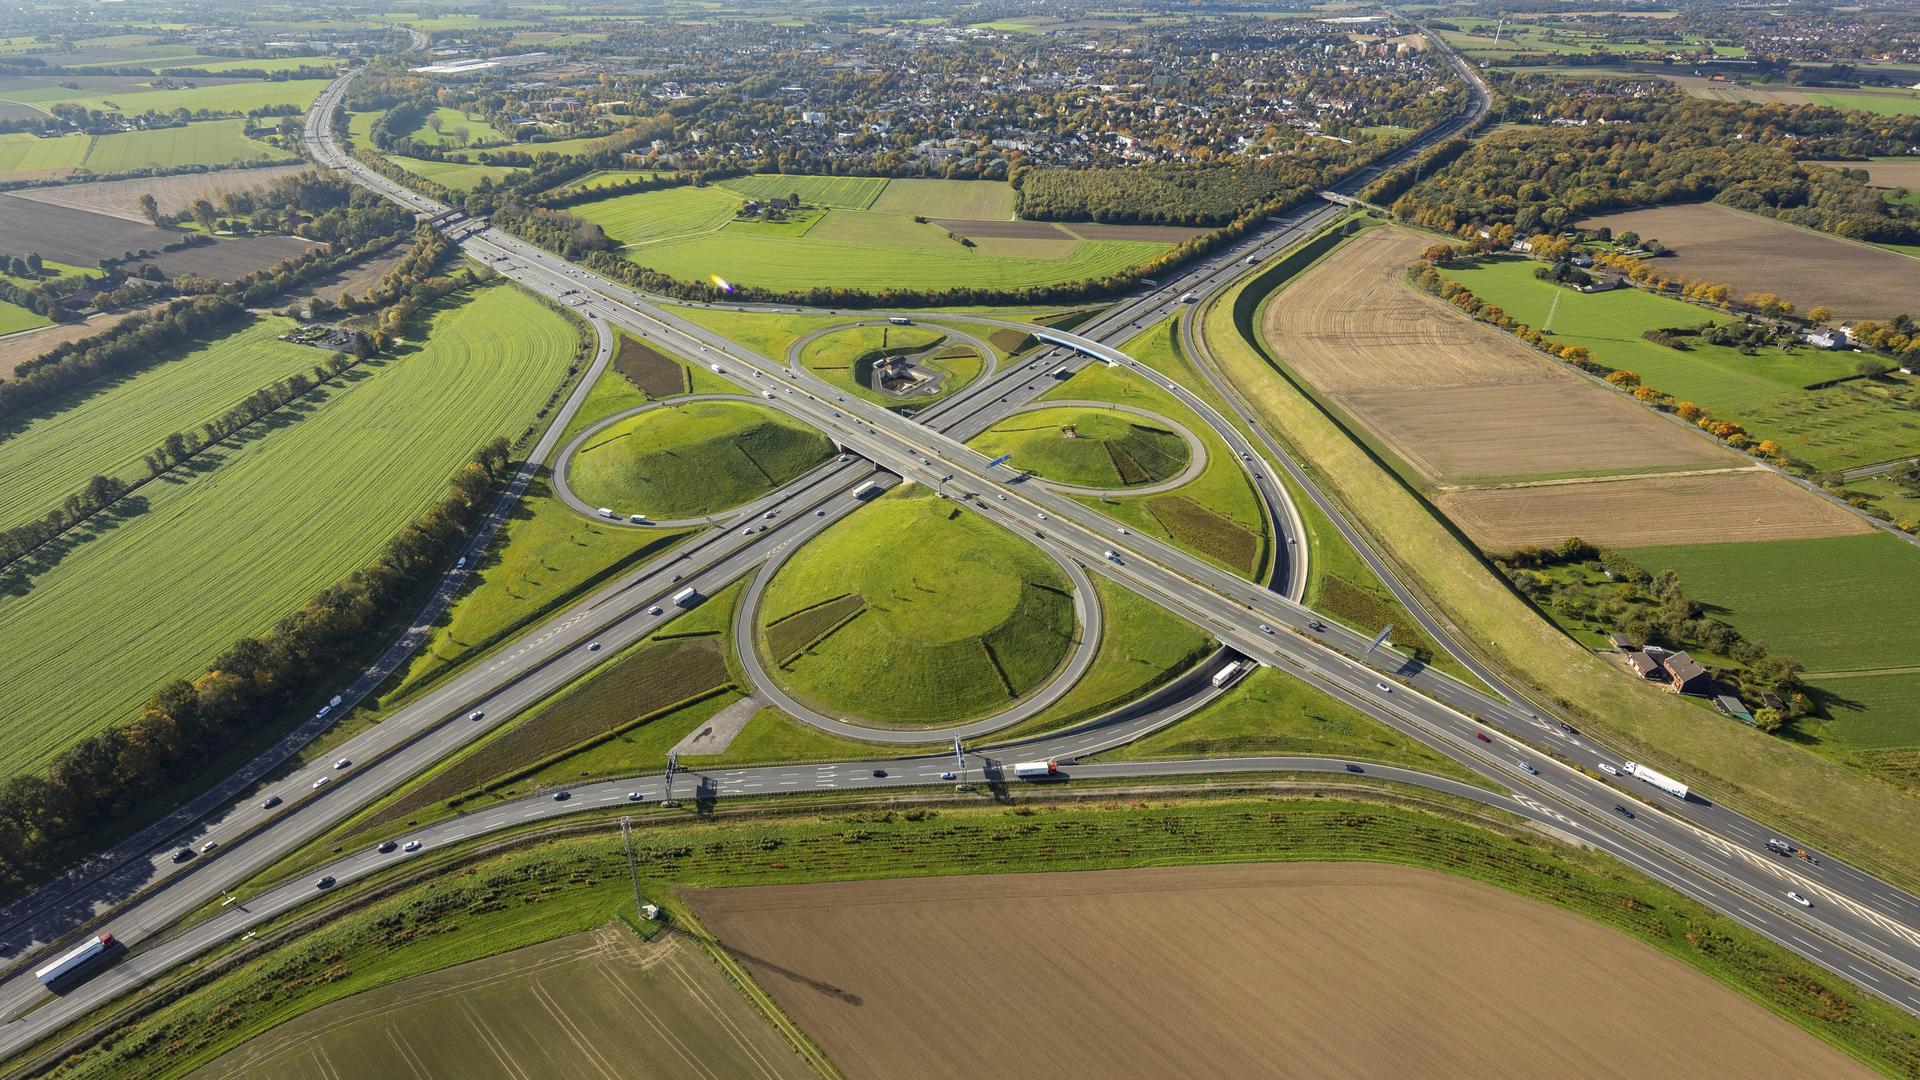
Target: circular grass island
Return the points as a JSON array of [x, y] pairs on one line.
[[912, 612], [693, 458], [1088, 447], [900, 367]]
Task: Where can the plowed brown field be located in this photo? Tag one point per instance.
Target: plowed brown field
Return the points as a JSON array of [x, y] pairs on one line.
[[1300, 970], [1464, 404], [1758, 254], [1641, 511]]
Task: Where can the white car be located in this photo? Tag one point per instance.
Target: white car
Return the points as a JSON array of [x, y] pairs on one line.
[[1384, 688], [1528, 765], [1608, 769], [654, 610], [412, 845], [1798, 899], [323, 781], [476, 715], [634, 796], [343, 763], [1265, 629]]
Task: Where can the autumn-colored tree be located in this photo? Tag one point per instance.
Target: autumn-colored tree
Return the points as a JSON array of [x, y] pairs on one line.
[[1769, 448], [1576, 354], [1624, 378], [1687, 411]]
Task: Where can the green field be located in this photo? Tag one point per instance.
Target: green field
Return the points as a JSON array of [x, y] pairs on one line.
[[454, 174], [548, 890], [1906, 103], [237, 97], [14, 318], [254, 530], [1216, 516], [698, 458], [936, 614], [1835, 428], [845, 360], [838, 192], [473, 1020], [211, 142], [978, 200], [453, 123], [685, 232], [109, 428], [25, 156], [1836, 603], [1271, 712], [265, 63], [1877, 712], [1084, 447]]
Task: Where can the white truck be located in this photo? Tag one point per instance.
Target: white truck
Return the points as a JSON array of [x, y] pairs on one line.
[[80, 956], [1036, 770], [686, 597], [867, 490], [1188, 298], [899, 320], [1658, 779], [717, 369], [1227, 674]]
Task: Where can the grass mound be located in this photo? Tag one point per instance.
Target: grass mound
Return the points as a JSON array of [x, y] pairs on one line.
[[696, 458], [846, 359], [917, 613], [1087, 447]]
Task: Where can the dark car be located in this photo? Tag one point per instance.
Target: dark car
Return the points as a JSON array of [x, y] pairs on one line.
[[562, 796], [1355, 768], [183, 854], [272, 801], [1623, 812], [388, 846], [1482, 736], [879, 772], [324, 883]]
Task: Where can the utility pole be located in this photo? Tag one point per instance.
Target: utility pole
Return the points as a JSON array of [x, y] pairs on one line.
[[633, 867]]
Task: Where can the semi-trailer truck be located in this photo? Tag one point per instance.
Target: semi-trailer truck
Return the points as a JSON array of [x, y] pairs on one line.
[[686, 597], [73, 961], [1226, 674], [1658, 779], [867, 490], [1036, 770], [899, 320]]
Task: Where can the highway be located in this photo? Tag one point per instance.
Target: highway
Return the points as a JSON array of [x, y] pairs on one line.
[[1858, 927]]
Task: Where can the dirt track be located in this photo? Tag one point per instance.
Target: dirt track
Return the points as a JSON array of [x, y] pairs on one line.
[[1300, 970]]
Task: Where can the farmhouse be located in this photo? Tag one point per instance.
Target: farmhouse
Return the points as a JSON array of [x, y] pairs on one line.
[[1686, 674], [1643, 665]]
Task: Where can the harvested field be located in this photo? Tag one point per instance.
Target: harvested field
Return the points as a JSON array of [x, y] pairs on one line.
[[1647, 510], [1901, 172], [1470, 433], [1758, 254], [121, 198], [592, 1004], [1010, 230], [1455, 398], [19, 348], [356, 279], [650, 370], [230, 259], [1701, 86], [1169, 234], [1338, 970], [74, 236]]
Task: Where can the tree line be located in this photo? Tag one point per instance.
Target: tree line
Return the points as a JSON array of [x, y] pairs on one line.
[[1191, 195], [48, 818]]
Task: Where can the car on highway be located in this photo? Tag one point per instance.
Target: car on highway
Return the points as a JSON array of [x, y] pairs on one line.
[[593, 646], [1355, 768], [1608, 769], [1265, 629], [386, 847], [819, 513], [323, 781], [1482, 736], [272, 801], [324, 883], [476, 715], [562, 796], [412, 845], [183, 855], [946, 776], [209, 846], [880, 772], [635, 796], [1383, 688], [1798, 899], [655, 610], [1623, 812], [1528, 765]]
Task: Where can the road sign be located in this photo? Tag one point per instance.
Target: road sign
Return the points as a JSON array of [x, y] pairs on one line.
[[1001, 460], [959, 756], [1380, 638]]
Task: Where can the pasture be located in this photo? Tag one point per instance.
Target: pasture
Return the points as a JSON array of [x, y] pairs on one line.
[[941, 615], [1837, 427], [1758, 254], [30, 157], [254, 527], [846, 359], [694, 458], [590, 1004], [837, 192], [14, 318], [209, 142], [1477, 981], [454, 174], [982, 200], [108, 427], [238, 96], [1093, 448], [689, 233], [453, 127]]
